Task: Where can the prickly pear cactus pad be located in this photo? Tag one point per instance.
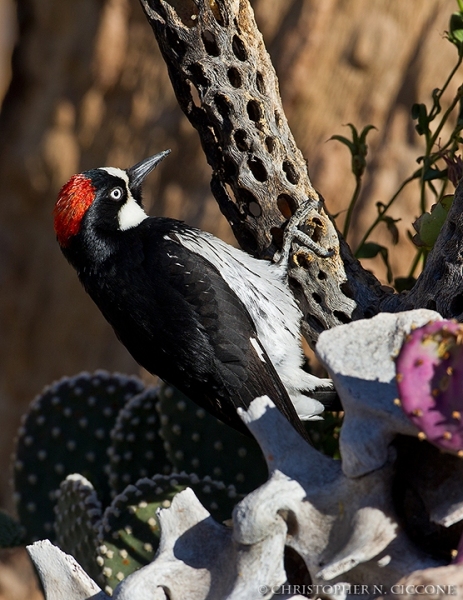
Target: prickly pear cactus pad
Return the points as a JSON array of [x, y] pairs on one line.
[[430, 383], [195, 441], [137, 450], [78, 515], [66, 431], [129, 532]]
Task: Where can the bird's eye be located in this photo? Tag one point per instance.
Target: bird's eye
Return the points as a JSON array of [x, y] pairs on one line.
[[116, 193]]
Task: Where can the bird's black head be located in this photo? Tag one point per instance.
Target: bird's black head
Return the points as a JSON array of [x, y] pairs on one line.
[[108, 198]]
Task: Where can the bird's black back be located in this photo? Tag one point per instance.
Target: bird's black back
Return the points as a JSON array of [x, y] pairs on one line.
[[181, 321]]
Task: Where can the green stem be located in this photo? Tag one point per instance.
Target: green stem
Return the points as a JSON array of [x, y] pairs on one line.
[[447, 113], [350, 210], [385, 209], [447, 82], [423, 184], [431, 140], [442, 190]]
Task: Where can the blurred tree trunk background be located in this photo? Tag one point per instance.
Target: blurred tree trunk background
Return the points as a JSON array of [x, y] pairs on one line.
[[89, 89]]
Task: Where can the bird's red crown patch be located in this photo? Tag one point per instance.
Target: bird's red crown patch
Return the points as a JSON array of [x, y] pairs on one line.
[[74, 200]]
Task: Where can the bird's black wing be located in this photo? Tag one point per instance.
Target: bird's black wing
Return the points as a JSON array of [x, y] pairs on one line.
[[200, 337]]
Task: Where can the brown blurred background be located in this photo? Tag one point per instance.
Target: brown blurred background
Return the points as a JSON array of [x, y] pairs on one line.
[[88, 88]]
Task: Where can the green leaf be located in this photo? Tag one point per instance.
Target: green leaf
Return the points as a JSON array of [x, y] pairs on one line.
[[392, 228], [436, 94], [209, 447], [455, 33], [415, 111], [431, 174], [372, 249], [429, 225], [129, 534], [389, 221], [355, 135], [343, 140], [365, 131], [357, 147], [420, 114], [368, 250]]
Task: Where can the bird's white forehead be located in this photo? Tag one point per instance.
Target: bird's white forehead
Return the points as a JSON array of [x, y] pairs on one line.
[[117, 173]]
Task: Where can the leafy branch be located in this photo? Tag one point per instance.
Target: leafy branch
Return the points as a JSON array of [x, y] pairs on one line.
[[358, 149], [440, 164]]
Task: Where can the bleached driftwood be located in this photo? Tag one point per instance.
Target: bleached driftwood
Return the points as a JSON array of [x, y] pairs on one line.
[[61, 576]]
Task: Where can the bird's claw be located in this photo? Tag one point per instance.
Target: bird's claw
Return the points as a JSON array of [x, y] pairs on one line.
[[292, 233]]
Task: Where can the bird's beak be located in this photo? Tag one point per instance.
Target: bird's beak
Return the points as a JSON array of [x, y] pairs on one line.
[[138, 172]]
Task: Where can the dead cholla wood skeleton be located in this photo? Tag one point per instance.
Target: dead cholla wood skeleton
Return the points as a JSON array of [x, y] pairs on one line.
[[227, 87]]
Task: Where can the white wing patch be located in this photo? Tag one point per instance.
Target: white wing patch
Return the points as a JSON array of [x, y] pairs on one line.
[[258, 349], [262, 288]]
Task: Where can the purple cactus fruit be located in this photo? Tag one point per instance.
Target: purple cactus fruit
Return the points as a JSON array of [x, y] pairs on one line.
[[430, 382]]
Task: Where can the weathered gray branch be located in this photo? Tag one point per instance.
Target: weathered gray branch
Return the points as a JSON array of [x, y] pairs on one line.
[[227, 87]]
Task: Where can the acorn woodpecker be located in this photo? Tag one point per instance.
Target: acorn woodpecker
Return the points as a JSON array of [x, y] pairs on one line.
[[220, 325]]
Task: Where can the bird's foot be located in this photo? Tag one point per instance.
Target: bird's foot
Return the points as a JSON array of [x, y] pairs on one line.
[[293, 233]]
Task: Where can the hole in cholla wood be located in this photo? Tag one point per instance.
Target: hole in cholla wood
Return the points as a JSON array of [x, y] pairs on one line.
[[186, 10], [257, 169], [240, 137], [197, 72], [218, 15], [255, 209], [286, 205], [234, 77], [224, 105], [291, 174], [341, 316], [260, 82], [317, 297], [254, 111], [210, 44], [239, 49], [270, 143]]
